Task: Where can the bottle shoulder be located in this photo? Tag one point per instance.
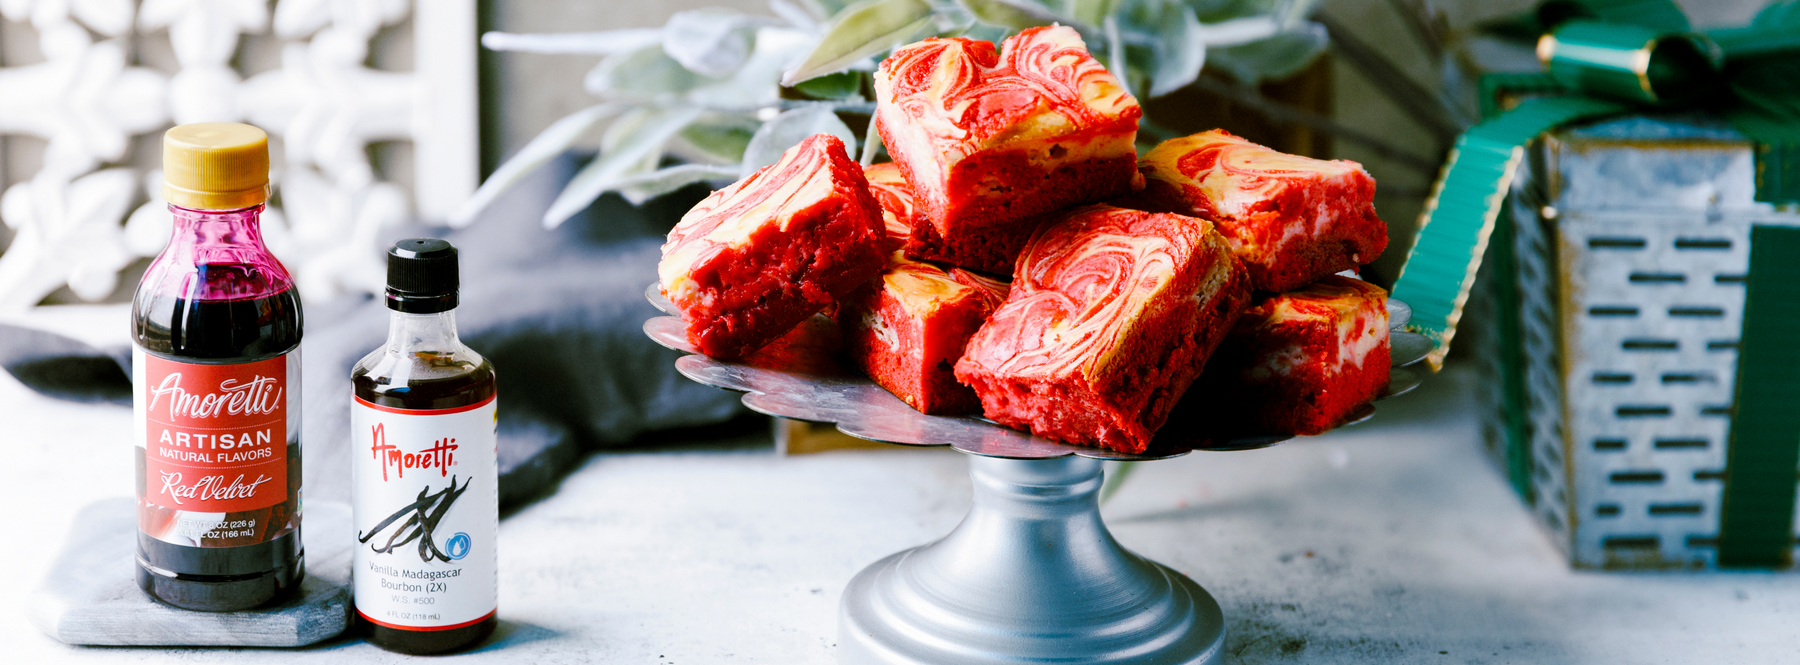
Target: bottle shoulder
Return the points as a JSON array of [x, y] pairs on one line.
[[425, 379]]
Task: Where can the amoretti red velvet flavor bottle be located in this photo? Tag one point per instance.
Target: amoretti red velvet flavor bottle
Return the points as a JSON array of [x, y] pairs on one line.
[[216, 386]]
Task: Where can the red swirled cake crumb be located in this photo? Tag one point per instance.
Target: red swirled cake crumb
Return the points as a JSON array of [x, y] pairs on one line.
[[990, 137], [1299, 362], [991, 249], [895, 197], [1290, 219], [1111, 315], [996, 289], [755, 259], [907, 329]]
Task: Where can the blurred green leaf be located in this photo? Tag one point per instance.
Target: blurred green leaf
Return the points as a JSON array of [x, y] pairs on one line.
[[709, 41], [787, 130], [987, 33], [607, 170], [1213, 11], [871, 143], [545, 146], [1115, 54], [646, 74], [841, 85], [722, 136], [1017, 14], [859, 31], [596, 43], [1277, 57], [1089, 11], [1113, 478], [794, 15], [758, 82], [645, 186], [1180, 51], [627, 126], [826, 8], [1239, 31]]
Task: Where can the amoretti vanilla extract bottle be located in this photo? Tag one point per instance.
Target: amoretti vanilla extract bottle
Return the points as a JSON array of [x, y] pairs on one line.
[[216, 386], [424, 477]]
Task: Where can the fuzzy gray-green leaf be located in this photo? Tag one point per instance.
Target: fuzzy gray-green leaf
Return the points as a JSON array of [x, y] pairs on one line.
[[859, 31], [1089, 11], [645, 74], [1180, 51], [545, 146], [1277, 57], [644, 186], [1014, 14], [841, 85], [605, 172], [788, 129], [708, 42], [722, 136]]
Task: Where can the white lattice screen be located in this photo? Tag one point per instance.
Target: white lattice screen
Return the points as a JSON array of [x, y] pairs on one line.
[[370, 105]]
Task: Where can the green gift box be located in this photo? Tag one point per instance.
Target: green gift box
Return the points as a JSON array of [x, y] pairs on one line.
[[1633, 206], [1627, 395]]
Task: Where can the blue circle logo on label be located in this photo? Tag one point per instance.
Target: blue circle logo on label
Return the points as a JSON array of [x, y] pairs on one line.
[[457, 546]]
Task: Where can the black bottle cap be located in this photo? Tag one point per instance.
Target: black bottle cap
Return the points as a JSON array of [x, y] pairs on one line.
[[422, 276]]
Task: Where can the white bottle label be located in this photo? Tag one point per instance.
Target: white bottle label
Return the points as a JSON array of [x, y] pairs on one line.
[[427, 514]]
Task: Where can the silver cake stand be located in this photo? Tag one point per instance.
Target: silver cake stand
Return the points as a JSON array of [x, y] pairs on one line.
[[1031, 575]]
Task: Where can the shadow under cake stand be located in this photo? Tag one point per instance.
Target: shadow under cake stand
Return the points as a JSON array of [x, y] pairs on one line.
[[1031, 575]]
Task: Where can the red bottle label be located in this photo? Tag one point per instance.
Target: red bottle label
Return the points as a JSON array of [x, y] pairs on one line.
[[215, 445]]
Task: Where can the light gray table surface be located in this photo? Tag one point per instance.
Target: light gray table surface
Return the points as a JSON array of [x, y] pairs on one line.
[[1395, 541]]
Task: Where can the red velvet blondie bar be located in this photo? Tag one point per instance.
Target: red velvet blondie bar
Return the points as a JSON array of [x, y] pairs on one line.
[[1297, 363], [907, 329], [896, 201], [756, 258], [1112, 314], [1290, 219], [988, 138]]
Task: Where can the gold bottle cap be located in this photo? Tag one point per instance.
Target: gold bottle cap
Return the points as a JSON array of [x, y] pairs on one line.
[[215, 166]]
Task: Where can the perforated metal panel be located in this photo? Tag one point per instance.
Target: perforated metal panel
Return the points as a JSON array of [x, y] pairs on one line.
[[1653, 308], [1631, 246]]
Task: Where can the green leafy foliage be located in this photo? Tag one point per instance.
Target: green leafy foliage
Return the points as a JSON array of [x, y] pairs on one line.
[[647, 131], [544, 147], [721, 136], [1017, 14], [709, 42], [646, 74], [1180, 51], [642, 187], [1278, 56], [842, 85], [859, 31], [789, 128], [711, 79]]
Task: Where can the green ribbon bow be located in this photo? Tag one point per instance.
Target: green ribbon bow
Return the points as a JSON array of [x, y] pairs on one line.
[[1611, 57], [1603, 58]]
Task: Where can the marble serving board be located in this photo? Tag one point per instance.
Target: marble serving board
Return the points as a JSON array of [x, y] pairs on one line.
[[91, 597], [797, 377]]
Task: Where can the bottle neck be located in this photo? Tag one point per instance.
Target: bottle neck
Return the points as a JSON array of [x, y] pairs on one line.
[[213, 231], [433, 333], [217, 255]]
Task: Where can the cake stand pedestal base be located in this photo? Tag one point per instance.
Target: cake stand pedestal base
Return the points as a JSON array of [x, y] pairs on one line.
[[1030, 576]]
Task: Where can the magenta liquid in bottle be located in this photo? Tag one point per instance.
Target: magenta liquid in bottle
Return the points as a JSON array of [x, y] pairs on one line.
[[216, 386]]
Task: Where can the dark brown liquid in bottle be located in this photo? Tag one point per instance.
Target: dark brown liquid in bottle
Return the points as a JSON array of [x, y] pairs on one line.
[[436, 382], [223, 332]]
